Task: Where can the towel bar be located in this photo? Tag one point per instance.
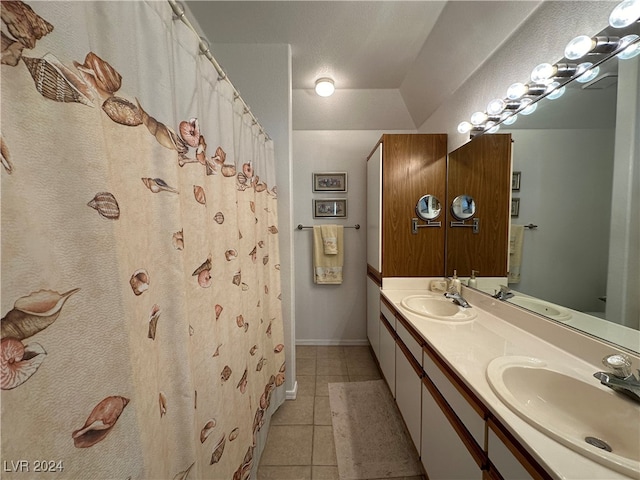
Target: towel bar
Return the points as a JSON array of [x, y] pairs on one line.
[[300, 226]]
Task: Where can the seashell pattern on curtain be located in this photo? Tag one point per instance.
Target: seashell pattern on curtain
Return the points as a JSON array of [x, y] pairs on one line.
[[142, 332]]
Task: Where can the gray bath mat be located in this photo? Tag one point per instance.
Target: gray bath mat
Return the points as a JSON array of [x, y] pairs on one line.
[[371, 439]]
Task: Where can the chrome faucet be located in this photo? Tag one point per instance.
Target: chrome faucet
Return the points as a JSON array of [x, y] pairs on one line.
[[620, 378], [457, 299], [504, 293]]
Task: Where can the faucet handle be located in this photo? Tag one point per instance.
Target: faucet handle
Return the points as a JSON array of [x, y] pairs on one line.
[[619, 364]]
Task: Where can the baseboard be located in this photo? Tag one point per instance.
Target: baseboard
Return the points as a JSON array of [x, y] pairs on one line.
[[292, 394], [331, 342]]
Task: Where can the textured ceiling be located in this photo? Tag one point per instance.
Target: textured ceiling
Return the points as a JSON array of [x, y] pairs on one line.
[[414, 54]]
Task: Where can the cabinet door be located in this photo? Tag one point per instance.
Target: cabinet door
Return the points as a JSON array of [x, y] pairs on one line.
[[373, 316], [443, 454], [504, 461], [374, 208], [482, 169], [408, 392], [388, 353]]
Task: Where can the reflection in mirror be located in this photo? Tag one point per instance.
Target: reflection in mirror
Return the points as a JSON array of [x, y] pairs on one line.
[[463, 207], [428, 207], [579, 161]]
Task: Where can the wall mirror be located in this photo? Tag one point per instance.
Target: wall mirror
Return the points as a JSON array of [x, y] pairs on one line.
[[463, 207], [579, 186], [428, 207]]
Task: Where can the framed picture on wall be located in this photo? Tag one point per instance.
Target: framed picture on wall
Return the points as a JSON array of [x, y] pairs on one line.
[[330, 182], [330, 208], [515, 207], [515, 181]]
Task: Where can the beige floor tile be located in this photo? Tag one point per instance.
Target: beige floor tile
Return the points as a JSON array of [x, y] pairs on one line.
[[322, 382], [306, 351], [331, 366], [362, 366], [330, 351], [322, 411], [288, 445], [305, 366], [324, 472], [306, 385], [364, 378], [284, 473], [358, 352], [324, 450], [294, 412]]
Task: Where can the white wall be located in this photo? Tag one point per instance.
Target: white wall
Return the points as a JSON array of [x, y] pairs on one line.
[[331, 314], [565, 189]]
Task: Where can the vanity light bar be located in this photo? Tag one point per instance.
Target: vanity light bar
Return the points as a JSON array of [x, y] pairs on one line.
[[549, 80]]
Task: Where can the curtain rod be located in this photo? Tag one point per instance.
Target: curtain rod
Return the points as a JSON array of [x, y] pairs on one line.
[[300, 226], [178, 11]]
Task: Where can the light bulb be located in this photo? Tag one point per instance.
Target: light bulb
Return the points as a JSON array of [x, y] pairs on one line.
[[529, 106], [464, 127], [630, 49], [625, 14], [478, 118], [542, 73], [516, 90], [554, 91], [510, 120], [495, 106], [578, 47], [491, 127], [325, 87], [586, 73]]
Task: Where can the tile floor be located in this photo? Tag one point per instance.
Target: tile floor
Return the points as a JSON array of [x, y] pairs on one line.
[[300, 444]]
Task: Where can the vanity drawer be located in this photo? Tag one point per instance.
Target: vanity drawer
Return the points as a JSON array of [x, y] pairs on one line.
[[472, 418], [388, 314]]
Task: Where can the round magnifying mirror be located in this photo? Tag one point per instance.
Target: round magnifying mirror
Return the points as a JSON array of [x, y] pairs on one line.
[[428, 208], [463, 207]]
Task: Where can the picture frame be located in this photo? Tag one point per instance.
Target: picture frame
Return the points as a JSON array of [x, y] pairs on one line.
[[515, 181], [330, 208], [329, 182], [515, 207]]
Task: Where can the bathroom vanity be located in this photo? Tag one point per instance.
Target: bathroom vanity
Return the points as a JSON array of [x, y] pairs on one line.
[[458, 384]]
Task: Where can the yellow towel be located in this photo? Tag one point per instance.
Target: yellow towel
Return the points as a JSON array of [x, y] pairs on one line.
[[327, 269], [515, 252], [329, 239]]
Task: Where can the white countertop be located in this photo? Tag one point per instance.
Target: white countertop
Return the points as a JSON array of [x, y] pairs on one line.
[[469, 347]]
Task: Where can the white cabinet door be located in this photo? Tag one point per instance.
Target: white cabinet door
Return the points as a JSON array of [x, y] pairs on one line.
[[374, 209], [408, 393], [504, 461], [388, 355], [373, 316], [443, 454]]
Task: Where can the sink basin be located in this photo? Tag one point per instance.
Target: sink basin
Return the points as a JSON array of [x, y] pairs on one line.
[[543, 308], [577, 414], [438, 308]]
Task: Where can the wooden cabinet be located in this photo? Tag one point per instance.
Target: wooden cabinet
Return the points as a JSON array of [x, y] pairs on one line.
[[412, 165], [481, 169]]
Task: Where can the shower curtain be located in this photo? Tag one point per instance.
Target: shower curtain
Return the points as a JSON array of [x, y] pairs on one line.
[[142, 329]]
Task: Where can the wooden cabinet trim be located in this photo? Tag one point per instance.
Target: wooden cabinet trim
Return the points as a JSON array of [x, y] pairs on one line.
[[530, 464], [409, 328], [410, 358], [374, 275], [392, 331], [478, 454], [457, 382]]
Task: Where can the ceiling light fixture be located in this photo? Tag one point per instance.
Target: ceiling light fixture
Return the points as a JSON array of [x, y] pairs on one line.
[[325, 87], [549, 80], [625, 14]]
